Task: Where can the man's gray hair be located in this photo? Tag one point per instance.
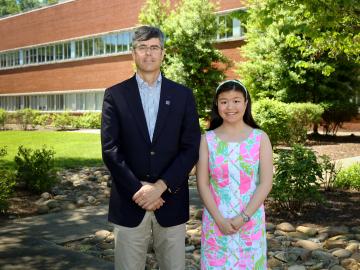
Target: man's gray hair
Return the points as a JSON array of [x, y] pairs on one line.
[[146, 32]]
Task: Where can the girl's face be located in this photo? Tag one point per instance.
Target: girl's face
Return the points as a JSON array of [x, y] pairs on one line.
[[231, 106]]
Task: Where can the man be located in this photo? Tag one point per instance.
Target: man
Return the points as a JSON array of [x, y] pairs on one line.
[[150, 139]]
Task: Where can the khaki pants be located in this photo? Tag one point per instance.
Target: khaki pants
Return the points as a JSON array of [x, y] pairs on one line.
[[131, 245]]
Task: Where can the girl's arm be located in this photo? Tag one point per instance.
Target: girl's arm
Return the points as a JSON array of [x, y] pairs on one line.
[[203, 184], [264, 187]]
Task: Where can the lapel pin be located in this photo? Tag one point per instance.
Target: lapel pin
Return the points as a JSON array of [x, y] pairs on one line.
[[167, 102]]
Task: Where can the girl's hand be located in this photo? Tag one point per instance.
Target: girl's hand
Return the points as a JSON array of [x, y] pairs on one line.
[[237, 222], [225, 226]]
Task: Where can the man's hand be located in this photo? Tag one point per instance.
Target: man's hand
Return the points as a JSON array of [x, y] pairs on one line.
[[149, 195], [156, 205]]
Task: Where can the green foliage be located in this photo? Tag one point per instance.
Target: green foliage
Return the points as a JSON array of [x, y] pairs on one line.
[[3, 151], [26, 117], [35, 168], [295, 180], [88, 120], [154, 12], [28, 4], [302, 51], [329, 172], [349, 178], [286, 123], [3, 116], [8, 7], [204, 124], [336, 113], [63, 121], [273, 118], [302, 117], [51, 2], [43, 119], [7, 183], [191, 58]]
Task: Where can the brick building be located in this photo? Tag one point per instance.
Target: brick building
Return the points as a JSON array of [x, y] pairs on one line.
[[62, 57]]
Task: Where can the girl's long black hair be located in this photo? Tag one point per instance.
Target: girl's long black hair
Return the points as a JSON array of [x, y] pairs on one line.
[[231, 85]]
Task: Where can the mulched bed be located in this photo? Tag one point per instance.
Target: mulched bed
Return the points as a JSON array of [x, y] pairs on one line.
[[340, 207]]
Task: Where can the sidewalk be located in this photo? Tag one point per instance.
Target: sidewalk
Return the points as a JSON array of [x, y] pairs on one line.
[[346, 162], [33, 243]]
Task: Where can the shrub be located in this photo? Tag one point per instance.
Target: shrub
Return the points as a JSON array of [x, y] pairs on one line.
[[35, 168], [88, 120], [3, 151], [204, 124], [26, 117], [7, 183], [43, 119], [302, 116], [349, 177], [273, 118], [295, 179], [63, 121], [329, 172], [336, 113], [3, 116]]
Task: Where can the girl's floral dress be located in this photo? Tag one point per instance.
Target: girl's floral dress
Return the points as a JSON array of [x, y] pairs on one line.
[[234, 175]]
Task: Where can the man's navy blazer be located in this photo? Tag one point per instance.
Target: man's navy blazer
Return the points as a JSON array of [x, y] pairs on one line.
[[131, 156]]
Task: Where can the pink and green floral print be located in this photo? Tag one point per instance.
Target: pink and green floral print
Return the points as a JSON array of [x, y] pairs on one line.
[[234, 176]]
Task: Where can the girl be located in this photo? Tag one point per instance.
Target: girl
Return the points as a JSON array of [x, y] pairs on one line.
[[234, 176]]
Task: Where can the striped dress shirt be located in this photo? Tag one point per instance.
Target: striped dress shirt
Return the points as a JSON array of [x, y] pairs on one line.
[[150, 98]]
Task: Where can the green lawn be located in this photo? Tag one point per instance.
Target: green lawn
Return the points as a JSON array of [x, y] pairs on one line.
[[71, 149]]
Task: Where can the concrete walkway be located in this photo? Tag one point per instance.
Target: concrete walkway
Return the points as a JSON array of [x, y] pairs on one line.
[[346, 162], [34, 243]]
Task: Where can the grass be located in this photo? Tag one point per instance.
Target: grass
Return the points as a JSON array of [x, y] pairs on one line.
[[72, 149]]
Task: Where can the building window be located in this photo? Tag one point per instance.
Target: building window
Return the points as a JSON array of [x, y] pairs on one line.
[[59, 53], [16, 58], [10, 59], [118, 42], [78, 48], [3, 60], [85, 101], [99, 45], [99, 96], [50, 53], [33, 53], [110, 44], [67, 50], [230, 27], [88, 47], [41, 54]]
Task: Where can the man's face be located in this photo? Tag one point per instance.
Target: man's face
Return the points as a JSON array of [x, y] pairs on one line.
[[148, 55]]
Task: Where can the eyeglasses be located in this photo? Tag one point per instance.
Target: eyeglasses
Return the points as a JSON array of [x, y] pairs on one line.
[[152, 48]]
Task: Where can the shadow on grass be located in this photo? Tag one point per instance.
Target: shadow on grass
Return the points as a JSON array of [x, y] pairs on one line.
[[333, 139], [63, 163], [70, 163]]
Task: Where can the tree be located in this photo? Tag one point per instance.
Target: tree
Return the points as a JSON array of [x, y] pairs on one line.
[[8, 7], [154, 12], [303, 51], [191, 57], [28, 4]]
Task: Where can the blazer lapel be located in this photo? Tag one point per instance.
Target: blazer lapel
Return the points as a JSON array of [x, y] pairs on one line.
[[164, 108], [134, 104]]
